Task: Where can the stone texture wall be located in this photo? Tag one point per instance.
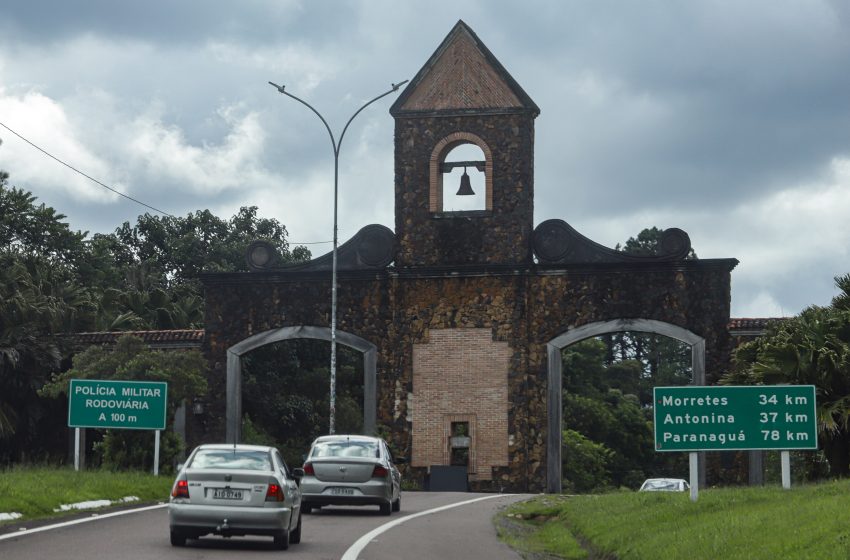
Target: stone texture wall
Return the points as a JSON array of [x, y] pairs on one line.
[[520, 307], [497, 236]]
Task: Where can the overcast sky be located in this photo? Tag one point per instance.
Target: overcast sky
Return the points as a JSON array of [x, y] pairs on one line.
[[728, 119]]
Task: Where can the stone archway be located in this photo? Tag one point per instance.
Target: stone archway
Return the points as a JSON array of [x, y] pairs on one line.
[[233, 426], [553, 394]]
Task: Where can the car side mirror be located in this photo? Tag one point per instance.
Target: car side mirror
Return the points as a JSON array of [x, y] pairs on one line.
[[298, 473], [400, 460], [180, 466]]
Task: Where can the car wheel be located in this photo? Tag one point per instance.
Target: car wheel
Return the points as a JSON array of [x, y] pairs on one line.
[[306, 508], [295, 536], [178, 538], [281, 540], [397, 504], [386, 508]]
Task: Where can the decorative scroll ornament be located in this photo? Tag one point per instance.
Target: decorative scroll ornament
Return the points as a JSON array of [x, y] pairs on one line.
[[371, 248], [556, 242]]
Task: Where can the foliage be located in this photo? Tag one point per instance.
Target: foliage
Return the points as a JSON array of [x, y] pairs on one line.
[[647, 243], [36, 230], [37, 302], [812, 348], [56, 281], [298, 410], [179, 249], [608, 401], [586, 463], [131, 360]]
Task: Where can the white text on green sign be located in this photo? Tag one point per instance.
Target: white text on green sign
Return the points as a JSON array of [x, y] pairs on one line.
[[720, 418], [138, 405]]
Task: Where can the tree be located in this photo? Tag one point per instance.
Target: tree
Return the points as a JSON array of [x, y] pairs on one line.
[[647, 243], [40, 297], [299, 414], [132, 360], [160, 260], [178, 249], [812, 348]]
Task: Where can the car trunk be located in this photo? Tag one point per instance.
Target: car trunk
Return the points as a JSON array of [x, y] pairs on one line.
[[230, 488], [341, 469]]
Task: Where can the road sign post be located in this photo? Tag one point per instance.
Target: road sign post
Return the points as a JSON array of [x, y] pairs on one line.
[[126, 405], [732, 418]]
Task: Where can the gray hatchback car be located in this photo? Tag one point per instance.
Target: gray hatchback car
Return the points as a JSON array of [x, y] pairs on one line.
[[351, 470], [228, 490]]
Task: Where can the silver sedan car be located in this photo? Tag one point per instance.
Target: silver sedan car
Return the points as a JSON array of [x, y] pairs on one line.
[[231, 489], [351, 470]]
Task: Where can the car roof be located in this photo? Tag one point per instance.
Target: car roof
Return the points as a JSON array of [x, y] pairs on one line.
[[237, 447], [344, 437]]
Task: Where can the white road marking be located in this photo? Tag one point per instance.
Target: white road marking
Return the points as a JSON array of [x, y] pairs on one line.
[[94, 517], [354, 550]]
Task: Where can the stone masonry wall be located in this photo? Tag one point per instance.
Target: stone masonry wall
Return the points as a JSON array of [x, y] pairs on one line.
[[520, 309], [501, 235]]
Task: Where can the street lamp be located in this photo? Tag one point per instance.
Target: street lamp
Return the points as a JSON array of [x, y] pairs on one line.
[[336, 146]]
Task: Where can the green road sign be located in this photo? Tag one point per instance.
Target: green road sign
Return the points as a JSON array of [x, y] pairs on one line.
[[134, 405], [719, 418]]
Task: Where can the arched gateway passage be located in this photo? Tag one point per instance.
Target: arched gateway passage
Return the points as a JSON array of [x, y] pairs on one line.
[[233, 428], [555, 365]]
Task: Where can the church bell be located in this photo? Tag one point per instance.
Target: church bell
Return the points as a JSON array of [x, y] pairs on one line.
[[465, 186]]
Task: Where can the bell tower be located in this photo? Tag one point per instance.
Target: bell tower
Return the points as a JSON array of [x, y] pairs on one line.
[[464, 158]]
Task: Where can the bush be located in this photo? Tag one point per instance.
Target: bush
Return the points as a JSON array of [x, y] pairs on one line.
[[586, 464]]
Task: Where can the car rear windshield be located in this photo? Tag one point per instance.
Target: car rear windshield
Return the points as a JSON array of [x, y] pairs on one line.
[[232, 459], [346, 449]]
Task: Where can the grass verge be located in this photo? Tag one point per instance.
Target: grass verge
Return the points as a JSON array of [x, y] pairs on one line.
[[35, 492], [732, 523]]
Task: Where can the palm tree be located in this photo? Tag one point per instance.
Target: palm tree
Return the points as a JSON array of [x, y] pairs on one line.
[[812, 348]]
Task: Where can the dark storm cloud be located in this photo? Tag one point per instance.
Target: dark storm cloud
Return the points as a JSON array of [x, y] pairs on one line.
[[692, 114]]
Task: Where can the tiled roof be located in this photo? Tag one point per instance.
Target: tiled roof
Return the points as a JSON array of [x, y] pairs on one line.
[[750, 326], [463, 75], [155, 339]]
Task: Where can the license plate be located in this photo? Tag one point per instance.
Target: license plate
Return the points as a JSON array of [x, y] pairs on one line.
[[227, 494], [343, 491]]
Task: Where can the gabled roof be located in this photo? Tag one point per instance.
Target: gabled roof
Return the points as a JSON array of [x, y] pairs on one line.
[[463, 76]]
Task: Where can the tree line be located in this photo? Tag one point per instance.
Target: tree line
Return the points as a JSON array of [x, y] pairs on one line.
[[56, 281]]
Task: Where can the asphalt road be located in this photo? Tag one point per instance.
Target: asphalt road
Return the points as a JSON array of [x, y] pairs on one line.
[[464, 532]]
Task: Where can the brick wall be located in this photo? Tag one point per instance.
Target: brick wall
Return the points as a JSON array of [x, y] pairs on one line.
[[461, 375]]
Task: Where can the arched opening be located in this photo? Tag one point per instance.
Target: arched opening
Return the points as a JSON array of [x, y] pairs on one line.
[[555, 372], [448, 159], [234, 413], [286, 397], [455, 196]]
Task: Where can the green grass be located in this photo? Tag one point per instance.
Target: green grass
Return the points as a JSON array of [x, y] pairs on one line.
[[733, 523], [36, 491]]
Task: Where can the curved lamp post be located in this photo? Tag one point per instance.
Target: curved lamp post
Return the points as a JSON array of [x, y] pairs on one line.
[[336, 146]]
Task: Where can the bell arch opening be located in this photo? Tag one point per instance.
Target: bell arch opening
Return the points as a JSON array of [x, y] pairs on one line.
[[233, 414], [555, 372], [454, 155]]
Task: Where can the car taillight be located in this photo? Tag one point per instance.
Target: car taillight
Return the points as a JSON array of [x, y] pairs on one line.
[[181, 489], [274, 493], [379, 472], [308, 469]]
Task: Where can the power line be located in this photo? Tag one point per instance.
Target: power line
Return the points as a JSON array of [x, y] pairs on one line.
[[89, 177], [71, 167]]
